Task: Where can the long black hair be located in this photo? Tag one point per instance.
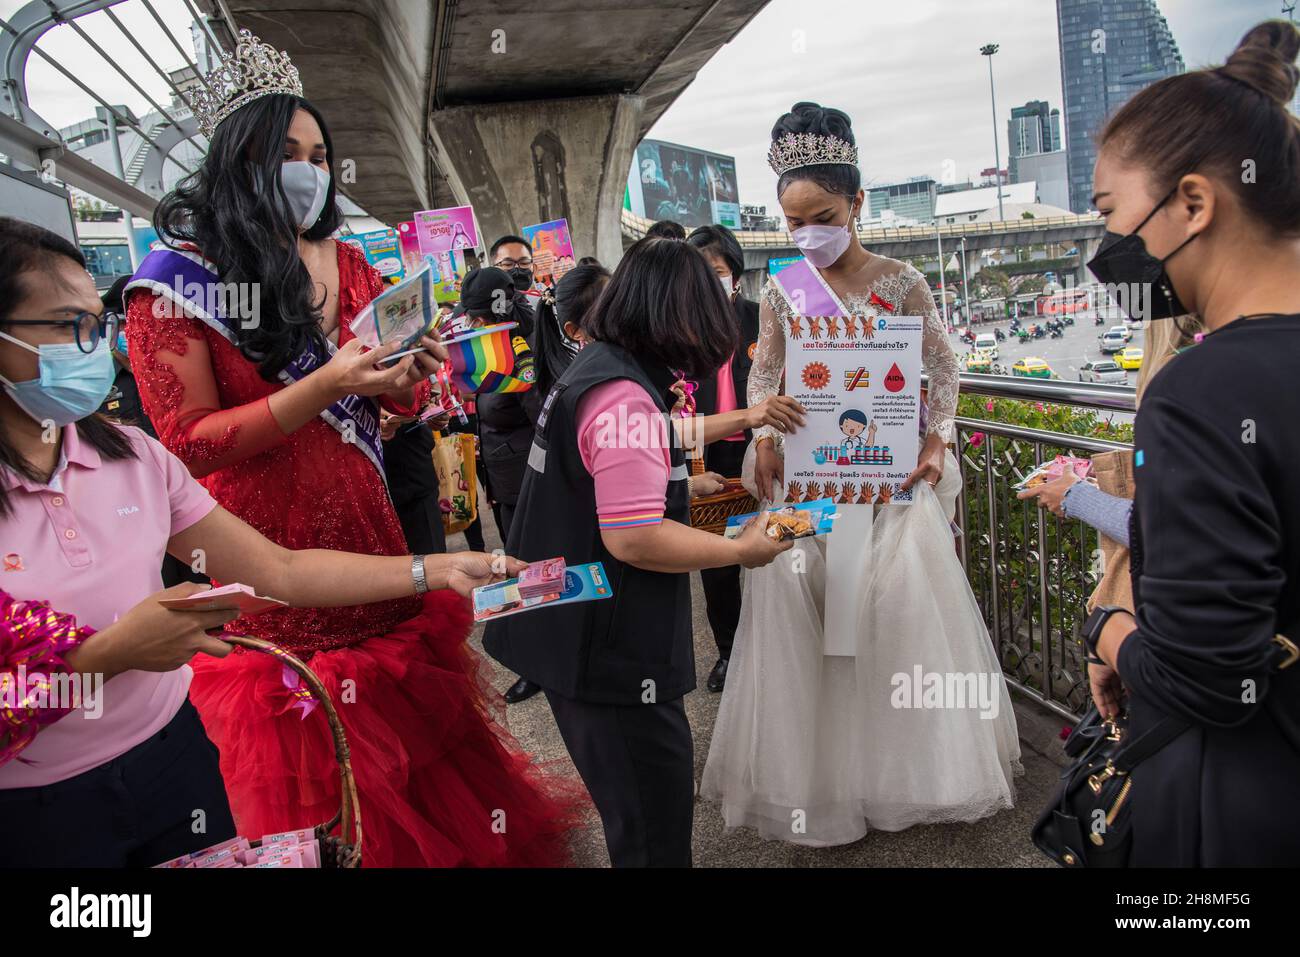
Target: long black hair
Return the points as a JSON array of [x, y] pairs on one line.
[[841, 179], [27, 248], [248, 232], [665, 305], [575, 293]]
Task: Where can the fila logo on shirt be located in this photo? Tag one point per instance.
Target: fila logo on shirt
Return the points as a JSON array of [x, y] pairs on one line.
[[126, 510]]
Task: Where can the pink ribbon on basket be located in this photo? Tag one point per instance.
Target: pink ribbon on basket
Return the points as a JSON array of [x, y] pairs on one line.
[[297, 688], [305, 699]]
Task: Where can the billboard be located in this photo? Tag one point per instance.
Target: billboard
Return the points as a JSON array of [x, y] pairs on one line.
[[690, 186]]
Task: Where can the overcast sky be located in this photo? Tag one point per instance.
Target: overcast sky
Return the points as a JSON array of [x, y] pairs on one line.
[[908, 72]]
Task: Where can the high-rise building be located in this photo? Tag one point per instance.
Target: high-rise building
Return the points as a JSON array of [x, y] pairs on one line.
[[1110, 49], [913, 199], [1034, 128]]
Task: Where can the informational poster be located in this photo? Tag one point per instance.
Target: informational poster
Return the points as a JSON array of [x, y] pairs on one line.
[[383, 250], [859, 378], [443, 230], [552, 250]]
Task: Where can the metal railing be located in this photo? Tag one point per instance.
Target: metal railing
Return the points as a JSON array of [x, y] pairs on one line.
[[1030, 571], [635, 227]]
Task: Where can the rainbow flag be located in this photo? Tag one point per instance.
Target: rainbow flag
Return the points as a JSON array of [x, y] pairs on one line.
[[483, 360]]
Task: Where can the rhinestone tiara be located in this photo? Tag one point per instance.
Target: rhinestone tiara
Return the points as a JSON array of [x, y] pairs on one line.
[[809, 149], [254, 70]]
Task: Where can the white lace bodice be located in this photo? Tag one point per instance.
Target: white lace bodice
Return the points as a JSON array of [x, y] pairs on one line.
[[904, 288]]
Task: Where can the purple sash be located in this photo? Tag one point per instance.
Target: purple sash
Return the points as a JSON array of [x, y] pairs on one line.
[[188, 280]]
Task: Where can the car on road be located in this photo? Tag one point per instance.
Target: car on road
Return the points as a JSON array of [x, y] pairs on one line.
[[1130, 358], [1034, 368], [1103, 370], [980, 361], [1113, 341], [987, 342], [1123, 330]]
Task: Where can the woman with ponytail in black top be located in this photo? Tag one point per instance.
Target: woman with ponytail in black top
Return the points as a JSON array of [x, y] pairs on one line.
[[1198, 177]]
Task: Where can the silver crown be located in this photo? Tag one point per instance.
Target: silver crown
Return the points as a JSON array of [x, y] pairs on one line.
[[809, 149], [254, 70]]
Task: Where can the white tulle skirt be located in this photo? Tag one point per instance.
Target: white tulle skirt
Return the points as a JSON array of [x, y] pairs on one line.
[[915, 727]]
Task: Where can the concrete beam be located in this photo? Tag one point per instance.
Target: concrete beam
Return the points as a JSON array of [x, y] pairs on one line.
[[538, 160], [365, 66]]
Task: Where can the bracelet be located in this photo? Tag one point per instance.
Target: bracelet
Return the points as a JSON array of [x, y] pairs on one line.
[[690, 486], [417, 574]]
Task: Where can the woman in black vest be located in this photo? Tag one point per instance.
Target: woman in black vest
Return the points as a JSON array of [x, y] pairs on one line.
[[615, 671], [1198, 177]]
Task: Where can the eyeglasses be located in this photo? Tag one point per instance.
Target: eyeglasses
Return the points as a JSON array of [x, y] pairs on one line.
[[512, 263], [88, 329]]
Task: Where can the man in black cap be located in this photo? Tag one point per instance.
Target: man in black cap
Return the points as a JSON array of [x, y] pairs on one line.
[[488, 297], [505, 420]]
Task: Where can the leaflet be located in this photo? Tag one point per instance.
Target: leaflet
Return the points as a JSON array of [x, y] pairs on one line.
[[586, 582]]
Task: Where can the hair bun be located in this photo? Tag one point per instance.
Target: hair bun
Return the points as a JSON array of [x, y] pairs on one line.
[[814, 118], [1265, 60]]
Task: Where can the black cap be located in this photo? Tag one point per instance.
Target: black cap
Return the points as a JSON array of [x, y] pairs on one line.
[[488, 293]]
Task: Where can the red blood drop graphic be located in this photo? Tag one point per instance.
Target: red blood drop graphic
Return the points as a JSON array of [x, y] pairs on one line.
[[894, 380]]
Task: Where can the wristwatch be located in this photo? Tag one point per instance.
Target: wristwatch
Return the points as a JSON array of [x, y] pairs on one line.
[[417, 574], [1092, 629]]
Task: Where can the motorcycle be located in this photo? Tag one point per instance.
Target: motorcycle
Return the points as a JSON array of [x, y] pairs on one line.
[[1000, 335], [1069, 320], [1056, 334], [1099, 321], [1039, 332], [1023, 335]]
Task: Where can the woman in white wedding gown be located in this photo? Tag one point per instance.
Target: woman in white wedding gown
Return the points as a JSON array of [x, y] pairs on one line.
[[815, 741]]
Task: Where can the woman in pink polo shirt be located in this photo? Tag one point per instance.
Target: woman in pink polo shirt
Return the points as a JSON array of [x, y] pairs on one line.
[[124, 775]]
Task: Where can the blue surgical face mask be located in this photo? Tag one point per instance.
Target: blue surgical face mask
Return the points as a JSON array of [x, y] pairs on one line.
[[72, 384]]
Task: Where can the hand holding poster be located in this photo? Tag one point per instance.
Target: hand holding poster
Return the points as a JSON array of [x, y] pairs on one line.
[[859, 379], [552, 250]]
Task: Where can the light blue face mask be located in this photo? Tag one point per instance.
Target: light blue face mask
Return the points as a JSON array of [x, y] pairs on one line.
[[72, 384]]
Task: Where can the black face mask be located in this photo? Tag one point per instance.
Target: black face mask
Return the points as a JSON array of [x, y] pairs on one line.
[[522, 278], [1123, 262]]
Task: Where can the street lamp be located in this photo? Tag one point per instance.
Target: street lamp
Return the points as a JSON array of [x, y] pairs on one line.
[[988, 50], [965, 281]]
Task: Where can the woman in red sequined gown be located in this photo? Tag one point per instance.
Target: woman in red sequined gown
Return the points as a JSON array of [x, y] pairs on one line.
[[441, 782]]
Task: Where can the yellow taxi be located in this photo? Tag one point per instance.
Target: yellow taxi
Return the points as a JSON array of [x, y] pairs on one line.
[[1034, 368], [1130, 358], [979, 361]]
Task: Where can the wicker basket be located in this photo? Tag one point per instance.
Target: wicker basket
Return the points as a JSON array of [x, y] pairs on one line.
[[709, 513], [343, 850]]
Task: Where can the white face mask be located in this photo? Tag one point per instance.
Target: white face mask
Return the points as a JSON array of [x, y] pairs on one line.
[[306, 185], [727, 288]]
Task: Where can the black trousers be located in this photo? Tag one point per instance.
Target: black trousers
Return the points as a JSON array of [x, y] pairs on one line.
[[504, 513], [421, 520], [161, 799], [638, 763], [722, 585]]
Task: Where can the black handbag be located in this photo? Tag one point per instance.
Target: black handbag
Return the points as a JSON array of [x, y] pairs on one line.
[[1088, 822]]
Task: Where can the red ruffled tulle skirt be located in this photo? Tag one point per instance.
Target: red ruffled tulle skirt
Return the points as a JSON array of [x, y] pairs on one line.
[[441, 783]]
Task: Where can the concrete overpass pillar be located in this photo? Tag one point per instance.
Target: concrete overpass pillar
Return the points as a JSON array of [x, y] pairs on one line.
[[533, 161], [1087, 249]]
